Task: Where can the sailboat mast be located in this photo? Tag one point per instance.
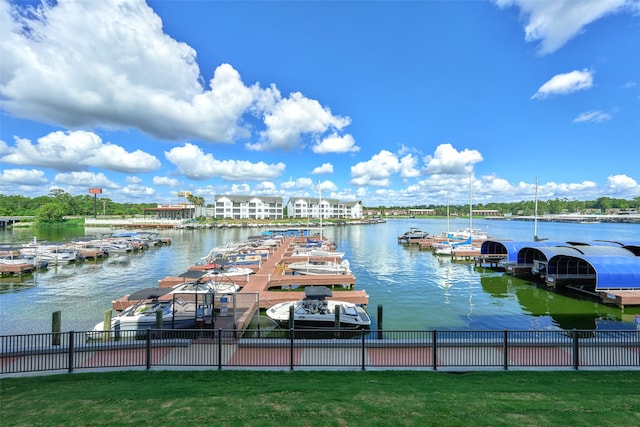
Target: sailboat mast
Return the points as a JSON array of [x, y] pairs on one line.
[[320, 209], [470, 208], [448, 229], [535, 214]]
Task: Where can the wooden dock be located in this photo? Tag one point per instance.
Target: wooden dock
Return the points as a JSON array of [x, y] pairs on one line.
[[16, 269], [268, 285], [621, 297]]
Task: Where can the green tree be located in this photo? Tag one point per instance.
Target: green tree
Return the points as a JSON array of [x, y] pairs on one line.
[[50, 212]]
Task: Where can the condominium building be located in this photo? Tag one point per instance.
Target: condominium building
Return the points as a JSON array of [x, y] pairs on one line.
[[306, 207], [248, 207]]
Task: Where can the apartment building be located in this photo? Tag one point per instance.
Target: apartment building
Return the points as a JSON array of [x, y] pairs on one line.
[[316, 208], [248, 207]]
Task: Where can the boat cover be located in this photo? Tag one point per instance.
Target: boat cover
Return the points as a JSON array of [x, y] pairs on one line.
[[193, 274], [149, 293], [611, 272], [511, 248], [317, 292]]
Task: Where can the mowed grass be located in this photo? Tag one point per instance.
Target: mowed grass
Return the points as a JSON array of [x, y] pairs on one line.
[[323, 398]]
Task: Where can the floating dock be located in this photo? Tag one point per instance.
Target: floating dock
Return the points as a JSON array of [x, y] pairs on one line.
[[268, 285], [16, 269]]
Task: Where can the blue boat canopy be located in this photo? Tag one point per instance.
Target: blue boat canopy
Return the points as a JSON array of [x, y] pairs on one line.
[[511, 248], [609, 272]]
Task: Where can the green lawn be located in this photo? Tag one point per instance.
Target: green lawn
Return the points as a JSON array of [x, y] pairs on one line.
[[324, 398]]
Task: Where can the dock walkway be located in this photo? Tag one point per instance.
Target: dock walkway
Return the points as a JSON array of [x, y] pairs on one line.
[[270, 274]]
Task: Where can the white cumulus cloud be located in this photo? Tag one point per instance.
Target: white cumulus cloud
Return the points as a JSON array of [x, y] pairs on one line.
[[193, 163], [377, 171], [335, 143], [165, 181], [447, 160], [78, 150], [325, 168], [565, 83], [22, 177], [553, 23], [109, 64], [592, 116], [290, 118], [84, 180], [623, 184]]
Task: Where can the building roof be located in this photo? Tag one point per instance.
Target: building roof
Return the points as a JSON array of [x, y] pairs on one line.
[[237, 198], [523, 252], [611, 271], [512, 248]]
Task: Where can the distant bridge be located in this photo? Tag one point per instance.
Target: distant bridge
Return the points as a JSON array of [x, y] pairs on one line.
[[6, 221]]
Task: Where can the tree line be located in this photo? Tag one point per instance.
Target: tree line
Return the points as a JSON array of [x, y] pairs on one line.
[[58, 204], [527, 208]]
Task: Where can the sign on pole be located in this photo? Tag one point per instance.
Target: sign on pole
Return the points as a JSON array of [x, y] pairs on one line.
[[95, 192]]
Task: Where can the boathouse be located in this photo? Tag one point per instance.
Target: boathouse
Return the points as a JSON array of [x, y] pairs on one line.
[[596, 273], [510, 249]]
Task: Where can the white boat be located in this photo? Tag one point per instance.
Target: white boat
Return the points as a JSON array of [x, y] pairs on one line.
[[414, 234], [221, 271], [314, 311], [465, 233], [314, 267], [21, 259], [176, 314], [448, 247], [202, 287], [317, 253], [53, 254]]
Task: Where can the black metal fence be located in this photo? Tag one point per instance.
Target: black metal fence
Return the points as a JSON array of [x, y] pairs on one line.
[[320, 349]]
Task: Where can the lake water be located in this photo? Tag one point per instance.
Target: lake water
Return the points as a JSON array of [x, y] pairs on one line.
[[416, 289]]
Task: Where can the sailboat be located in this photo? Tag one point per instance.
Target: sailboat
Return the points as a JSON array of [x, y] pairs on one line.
[[535, 218], [465, 233], [313, 266]]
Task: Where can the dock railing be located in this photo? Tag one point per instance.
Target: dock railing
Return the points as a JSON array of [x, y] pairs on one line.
[[320, 349]]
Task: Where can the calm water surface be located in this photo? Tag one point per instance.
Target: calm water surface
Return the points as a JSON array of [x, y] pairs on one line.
[[416, 289]]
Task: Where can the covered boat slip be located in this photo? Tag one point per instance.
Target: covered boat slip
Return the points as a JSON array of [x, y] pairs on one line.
[[597, 273], [607, 269], [520, 257]]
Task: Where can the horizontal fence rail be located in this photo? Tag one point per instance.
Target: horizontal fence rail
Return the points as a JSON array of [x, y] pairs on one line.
[[326, 349]]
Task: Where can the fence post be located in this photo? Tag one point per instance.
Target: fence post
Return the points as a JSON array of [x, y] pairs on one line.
[[291, 334], [505, 349], [148, 348], [220, 349], [363, 352], [434, 349], [576, 352], [71, 351], [56, 321]]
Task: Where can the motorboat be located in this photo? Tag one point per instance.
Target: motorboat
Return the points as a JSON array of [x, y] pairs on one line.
[[220, 271], [465, 233], [414, 234], [315, 267], [314, 311], [53, 254], [448, 247], [21, 259], [202, 287], [317, 253], [177, 313]]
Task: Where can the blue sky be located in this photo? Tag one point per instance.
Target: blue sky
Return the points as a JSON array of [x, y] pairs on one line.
[[388, 102]]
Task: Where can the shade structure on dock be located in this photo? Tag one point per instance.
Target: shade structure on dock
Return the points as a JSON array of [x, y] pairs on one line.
[[608, 271], [149, 293], [193, 274]]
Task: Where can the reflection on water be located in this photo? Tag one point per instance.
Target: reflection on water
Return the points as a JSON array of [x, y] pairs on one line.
[[416, 289]]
